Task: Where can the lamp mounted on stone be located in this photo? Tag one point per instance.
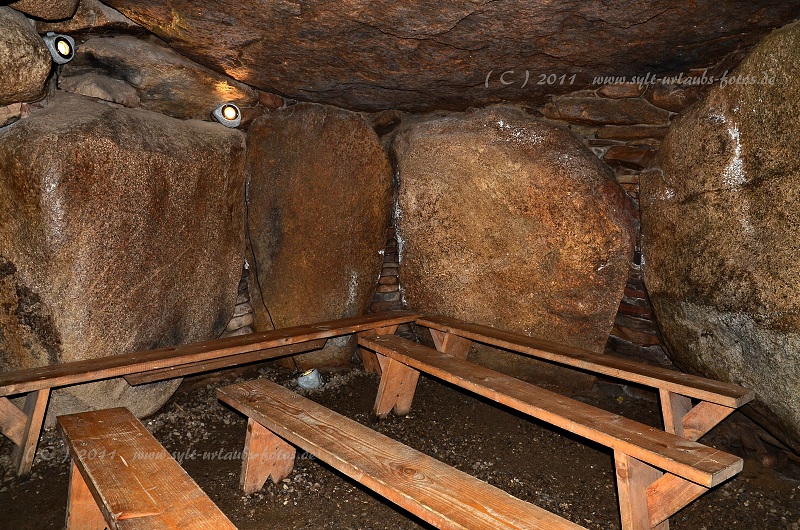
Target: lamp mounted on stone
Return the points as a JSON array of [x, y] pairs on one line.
[[62, 47], [228, 115]]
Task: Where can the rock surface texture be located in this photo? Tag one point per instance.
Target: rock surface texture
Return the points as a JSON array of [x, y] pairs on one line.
[[510, 221], [46, 9], [91, 17], [24, 60], [120, 230], [320, 199], [721, 233], [423, 55], [165, 81]]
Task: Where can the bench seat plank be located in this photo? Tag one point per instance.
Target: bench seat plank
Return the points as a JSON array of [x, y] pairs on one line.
[[76, 372], [701, 464], [134, 480], [432, 490], [718, 392]]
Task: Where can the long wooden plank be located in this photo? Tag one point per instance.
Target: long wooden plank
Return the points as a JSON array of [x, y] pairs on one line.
[[694, 386], [119, 365], [436, 492], [228, 361], [701, 464], [133, 479]]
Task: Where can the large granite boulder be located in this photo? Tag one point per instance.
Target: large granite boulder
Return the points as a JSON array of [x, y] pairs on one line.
[[165, 81], [320, 200], [91, 16], [510, 221], [423, 54], [24, 60], [120, 230], [721, 233], [46, 9]]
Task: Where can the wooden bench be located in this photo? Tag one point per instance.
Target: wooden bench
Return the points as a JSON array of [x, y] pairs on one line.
[[23, 427], [676, 389], [431, 490], [122, 478], [648, 496]]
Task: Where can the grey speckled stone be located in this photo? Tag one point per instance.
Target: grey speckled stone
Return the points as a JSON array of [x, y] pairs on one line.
[[721, 224]]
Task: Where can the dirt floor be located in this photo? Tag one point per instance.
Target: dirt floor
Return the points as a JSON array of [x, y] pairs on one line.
[[559, 472]]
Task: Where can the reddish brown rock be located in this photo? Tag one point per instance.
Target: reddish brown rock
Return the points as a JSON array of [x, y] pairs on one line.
[[120, 230], [510, 221], [629, 157], [165, 81], [621, 90], [674, 98], [270, 101], [25, 62], [46, 9], [423, 55], [721, 234], [602, 111], [91, 16], [320, 199]]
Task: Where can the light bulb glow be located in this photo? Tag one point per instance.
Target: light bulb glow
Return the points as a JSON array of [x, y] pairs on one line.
[[63, 47], [230, 112]]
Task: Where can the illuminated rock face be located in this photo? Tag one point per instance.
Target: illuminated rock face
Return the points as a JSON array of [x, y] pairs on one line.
[[120, 230], [423, 54], [508, 220], [721, 233], [320, 201], [24, 60], [164, 81]]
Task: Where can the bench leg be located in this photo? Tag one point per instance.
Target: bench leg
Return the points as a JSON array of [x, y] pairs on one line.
[[633, 479], [450, 343], [34, 409], [82, 510], [265, 455], [396, 389], [681, 419], [370, 358]]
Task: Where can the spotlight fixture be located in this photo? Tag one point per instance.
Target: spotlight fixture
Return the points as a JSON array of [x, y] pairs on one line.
[[228, 115], [61, 47]]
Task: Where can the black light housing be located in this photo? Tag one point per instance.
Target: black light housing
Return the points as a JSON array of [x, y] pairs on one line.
[[228, 115], [61, 47]]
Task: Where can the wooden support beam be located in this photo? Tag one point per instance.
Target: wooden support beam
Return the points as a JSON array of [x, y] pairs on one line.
[[633, 479], [34, 409], [451, 343], [82, 510], [668, 495], [396, 389], [12, 421], [265, 455], [674, 407], [369, 358], [704, 417]]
